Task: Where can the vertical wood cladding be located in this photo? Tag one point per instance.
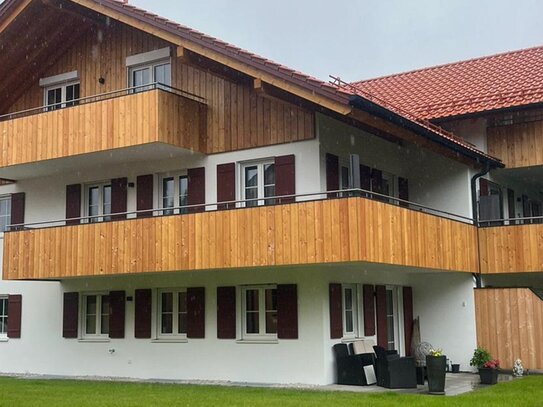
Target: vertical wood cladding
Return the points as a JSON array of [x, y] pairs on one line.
[[237, 117]]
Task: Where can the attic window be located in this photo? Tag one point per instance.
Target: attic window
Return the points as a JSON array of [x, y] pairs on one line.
[[149, 67], [60, 91]]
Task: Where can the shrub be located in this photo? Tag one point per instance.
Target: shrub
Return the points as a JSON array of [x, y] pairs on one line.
[[480, 357]]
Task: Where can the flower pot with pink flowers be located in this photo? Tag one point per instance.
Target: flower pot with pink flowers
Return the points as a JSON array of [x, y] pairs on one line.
[[488, 367]]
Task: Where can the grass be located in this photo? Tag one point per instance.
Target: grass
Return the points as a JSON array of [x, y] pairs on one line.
[[25, 392]]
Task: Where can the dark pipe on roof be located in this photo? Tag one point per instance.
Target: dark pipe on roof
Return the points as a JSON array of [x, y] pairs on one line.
[[379, 111]]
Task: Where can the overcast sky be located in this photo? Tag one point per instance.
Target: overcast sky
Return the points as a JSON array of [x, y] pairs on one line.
[[360, 39]]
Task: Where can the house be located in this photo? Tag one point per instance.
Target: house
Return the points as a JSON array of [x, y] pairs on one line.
[[175, 207]]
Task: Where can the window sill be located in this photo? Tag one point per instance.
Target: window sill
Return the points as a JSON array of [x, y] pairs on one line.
[[172, 340], [4, 339], [352, 339], [94, 340], [258, 341]]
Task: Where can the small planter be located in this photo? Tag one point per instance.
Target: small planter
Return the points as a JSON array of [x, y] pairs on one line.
[[455, 368], [488, 375], [436, 366]]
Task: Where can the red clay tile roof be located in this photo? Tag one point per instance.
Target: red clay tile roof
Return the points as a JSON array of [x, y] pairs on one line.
[[494, 82]]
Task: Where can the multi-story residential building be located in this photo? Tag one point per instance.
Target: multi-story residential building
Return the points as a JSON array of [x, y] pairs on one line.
[[175, 207]]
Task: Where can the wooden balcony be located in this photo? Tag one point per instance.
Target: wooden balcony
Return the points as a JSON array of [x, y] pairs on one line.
[[511, 249], [101, 123], [326, 231]]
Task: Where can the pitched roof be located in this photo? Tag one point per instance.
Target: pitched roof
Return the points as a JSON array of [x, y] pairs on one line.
[[339, 94], [498, 81]]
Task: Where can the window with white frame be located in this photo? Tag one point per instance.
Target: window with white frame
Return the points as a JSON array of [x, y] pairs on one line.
[[3, 316], [258, 183], [61, 95], [350, 314], [172, 314], [98, 202], [174, 193], [259, 312], [153, 72], [5, 213], [95, 316], [393, 325]]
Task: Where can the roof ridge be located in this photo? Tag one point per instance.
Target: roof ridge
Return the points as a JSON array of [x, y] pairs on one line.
[[447, 64]]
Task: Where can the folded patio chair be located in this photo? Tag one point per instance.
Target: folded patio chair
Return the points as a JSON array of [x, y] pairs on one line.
[[350, 367], [393, 371]]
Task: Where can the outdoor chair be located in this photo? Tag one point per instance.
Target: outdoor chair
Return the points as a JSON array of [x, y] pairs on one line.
[[393, 371], [350, 367]]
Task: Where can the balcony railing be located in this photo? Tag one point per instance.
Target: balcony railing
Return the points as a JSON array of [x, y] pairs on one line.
[[313, 230], [126, 118]]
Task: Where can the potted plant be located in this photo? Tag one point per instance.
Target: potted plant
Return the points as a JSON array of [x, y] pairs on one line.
[[488, 367], [436, 364]]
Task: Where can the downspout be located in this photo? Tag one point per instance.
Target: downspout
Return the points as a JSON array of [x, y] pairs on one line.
[[483, 172]]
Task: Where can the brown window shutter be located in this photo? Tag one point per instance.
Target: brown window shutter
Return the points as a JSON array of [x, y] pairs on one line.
[[483, 187], [73, 204], [142, 313], [336, 311], [18, 210], [196, 312], [332, 174], [196, 188], [119, 197], [368, 299], [117, 300], [511, 203], [408, 318], [15, 303], [377, 181], [287, 311], [226, 312], [381, 304], [365, 177], [226, 184], [144, 195], [285, 177], [70, 316], [403, 190]]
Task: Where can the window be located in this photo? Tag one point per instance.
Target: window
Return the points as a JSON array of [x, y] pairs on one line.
[[172, 314], [259, 316], [392, 318], [174, 194], [350, 315], [258, 183], [98, 202], [60, 96], [95, 316], [157, 72], [3, 317], [5, 213]]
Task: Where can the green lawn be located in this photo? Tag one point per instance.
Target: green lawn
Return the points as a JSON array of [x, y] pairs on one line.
[[23, 392]]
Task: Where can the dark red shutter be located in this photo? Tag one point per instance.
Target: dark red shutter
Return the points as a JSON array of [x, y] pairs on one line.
[[377, 181], [119, 197], [332, 174], [196, 312], [368, 298], [285, 177], [365, 178], [483, 187], [15, 303], [381, 304], [18, 210], [142, 313], [144, 195], [408, 318], [196, 188], [226, 185], [117, 300], [511, 203], [70, 315], [226, 312], [336, 311], [287, 311], [403, 190], [73, 203]]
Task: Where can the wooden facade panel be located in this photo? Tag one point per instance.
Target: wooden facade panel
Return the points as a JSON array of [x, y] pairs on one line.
[[511, 249], [120, 122], [517, 145], [237, 117], [330, 231], [510, 325]]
